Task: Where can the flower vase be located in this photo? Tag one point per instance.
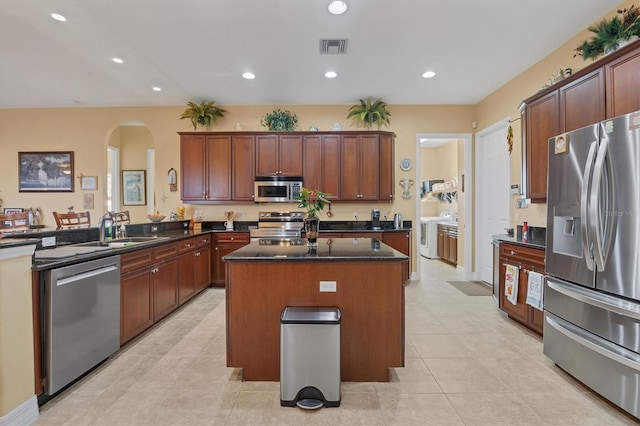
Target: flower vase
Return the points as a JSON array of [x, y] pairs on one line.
[[311, 227]]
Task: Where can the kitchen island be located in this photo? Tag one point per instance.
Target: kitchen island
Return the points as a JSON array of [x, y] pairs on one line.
[[364, 279]]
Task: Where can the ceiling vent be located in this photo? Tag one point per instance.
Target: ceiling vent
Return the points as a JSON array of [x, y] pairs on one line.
[[333, 46]]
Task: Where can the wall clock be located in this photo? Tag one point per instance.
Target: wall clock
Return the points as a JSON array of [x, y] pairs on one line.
[[406, 164]]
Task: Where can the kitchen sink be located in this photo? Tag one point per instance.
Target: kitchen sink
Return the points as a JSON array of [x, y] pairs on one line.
[[122, 242]]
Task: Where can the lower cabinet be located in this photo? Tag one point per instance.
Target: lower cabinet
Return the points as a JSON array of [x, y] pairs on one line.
[[223, 244], [448, 243], [155, 281], [527, 259], [401, 241]]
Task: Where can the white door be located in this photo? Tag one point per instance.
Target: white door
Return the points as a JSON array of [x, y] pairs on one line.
[[493, 171]]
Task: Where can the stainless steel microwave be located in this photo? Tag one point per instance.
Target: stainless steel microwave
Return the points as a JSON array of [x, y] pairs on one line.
[[277, 189]]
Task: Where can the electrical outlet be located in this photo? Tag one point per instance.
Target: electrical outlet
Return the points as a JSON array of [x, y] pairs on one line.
[[355, 215], [328, 286]]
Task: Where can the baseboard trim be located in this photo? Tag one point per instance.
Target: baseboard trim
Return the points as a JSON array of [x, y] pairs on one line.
[[24, 414]]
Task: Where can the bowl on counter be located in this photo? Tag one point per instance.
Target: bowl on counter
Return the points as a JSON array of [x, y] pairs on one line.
[[156, 217]]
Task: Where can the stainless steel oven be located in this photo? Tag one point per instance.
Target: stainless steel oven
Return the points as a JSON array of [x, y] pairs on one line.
[[277, 189]]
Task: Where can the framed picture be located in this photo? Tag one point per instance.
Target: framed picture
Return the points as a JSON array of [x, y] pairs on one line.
[[89, 182], [87, 201], [133, 188], [8, 210], [45, 171]]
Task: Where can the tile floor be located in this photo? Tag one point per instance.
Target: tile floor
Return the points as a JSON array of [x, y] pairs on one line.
[[466, 364]]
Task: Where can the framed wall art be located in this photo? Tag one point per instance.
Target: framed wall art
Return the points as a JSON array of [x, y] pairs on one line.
[[9, 210], [45, 171], [89, 182], [133, 188]]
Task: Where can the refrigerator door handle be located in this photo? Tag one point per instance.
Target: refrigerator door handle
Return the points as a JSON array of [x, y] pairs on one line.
[[584, 206], [623, 356], [598, 300], [601, 247]]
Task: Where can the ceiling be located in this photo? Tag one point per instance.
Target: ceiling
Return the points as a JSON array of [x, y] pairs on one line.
[[197, 50]]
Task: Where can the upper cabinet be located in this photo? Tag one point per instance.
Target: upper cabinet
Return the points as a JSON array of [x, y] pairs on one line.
[[321, 163], [360, 167], [607, 88], [220, 167], [278, 155]]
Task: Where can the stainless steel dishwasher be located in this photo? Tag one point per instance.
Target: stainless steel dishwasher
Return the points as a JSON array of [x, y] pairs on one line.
[[81, 319]]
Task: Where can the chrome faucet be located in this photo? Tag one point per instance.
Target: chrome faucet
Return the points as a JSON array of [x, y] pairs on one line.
[[102, 225]]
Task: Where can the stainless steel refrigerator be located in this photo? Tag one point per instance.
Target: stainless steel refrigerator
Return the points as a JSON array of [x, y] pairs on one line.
[[592, 289]]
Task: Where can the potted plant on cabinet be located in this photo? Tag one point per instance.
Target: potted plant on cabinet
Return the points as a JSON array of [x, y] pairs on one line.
[[369, 113], [279, 120], [203, 114], [609, 35]]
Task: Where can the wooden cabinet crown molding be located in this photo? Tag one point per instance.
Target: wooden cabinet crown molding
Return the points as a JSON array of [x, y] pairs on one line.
[[308, 132]]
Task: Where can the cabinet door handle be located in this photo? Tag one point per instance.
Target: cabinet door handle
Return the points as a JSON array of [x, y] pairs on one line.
[[231, 238], [197, 254], [512, 252]]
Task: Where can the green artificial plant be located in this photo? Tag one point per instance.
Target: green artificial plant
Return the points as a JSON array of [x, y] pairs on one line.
[[203, 114], [610, 33], [279, 120], [368, 113]]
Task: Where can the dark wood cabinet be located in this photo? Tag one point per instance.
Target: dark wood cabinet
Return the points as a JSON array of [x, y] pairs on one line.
[[387, 167], [604, 89], [448, 243], [223, 244], [401, 241], [360, 167], [526, 259], [542, 122], [136, 303], [165, 289], [205, 166], [278, 155], [321, 163], [622, 76], [243, 172], [220, 167], [582, 101]]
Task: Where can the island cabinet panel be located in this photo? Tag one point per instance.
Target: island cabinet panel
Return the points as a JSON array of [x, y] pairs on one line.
[[243, 171], [527, 259], [622, 77], [360, 167], [321, 164], [223, 244], [278, 155], [370, 296]]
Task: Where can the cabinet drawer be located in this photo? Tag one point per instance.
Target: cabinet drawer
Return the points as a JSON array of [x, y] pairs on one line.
[[186, 245], [203, 240], [135, 260], [522, 254], [233, 237], [165, 251]]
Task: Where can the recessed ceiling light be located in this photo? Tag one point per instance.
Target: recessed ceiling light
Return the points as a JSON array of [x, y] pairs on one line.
[[337, 7], [58, 17], [428, 74], [117, 60], [330, 74], [157, 89], [249, 75]]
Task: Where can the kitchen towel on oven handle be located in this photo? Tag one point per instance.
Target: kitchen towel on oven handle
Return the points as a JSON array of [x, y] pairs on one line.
[[511, 283], [534, 290]]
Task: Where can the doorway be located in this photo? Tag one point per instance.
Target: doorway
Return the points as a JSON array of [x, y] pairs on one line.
[[493, 176], [464, 195]]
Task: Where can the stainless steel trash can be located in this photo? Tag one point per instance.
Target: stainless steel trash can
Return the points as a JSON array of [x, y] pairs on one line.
[[310, 357]]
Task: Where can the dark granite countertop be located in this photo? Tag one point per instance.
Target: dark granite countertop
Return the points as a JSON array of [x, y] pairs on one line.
[[8, 242], [334, 249]]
